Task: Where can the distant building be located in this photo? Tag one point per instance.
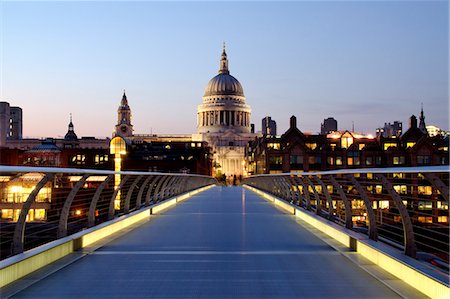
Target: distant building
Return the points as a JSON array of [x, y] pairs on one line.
[[329, 125], [295, 151], [434, 131], [390, 130], [10, 123], [269, 126]]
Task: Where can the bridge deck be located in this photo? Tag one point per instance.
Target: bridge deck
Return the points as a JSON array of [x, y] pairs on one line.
[[223, 243]]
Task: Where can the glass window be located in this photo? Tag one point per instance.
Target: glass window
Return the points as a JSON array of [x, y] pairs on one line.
[[295, 159], [311, 146], [425, 190], [330, 160], [442, 205], [79, 159], [118, 146], [275, 146], [276, 160], [425, 205], [389, 144], [383, 204], [369, 160], [401, 189], [338, 160], [346, 140], [378, 189], [442, 218], [423, 160], [398, 160], [100, 159], [425, 219], [410, 144]]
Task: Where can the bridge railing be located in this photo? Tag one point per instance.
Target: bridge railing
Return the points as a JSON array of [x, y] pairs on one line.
[[42, 204], [405, 207]]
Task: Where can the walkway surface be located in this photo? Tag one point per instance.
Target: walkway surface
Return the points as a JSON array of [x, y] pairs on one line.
[[223, 243]]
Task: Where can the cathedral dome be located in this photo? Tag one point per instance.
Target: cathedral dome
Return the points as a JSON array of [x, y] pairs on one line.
[[224, 84]]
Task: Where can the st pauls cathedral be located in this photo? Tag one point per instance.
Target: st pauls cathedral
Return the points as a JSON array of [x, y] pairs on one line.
[[223, 123], [223, 120]]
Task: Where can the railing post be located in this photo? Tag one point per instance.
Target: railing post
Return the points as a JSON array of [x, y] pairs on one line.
[[373, 232], [305, 193], [141, 192], [410, 244], [438, 184], [316, 195], [347, 204], [93, 205], [150, 189], [62, 226], [328, 197], [19, 229], [159, 188], [126, 205]]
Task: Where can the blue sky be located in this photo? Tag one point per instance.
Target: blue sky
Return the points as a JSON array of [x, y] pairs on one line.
[[362, 62]]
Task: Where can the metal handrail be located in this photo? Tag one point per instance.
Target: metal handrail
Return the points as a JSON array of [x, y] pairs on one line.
[[370, 199], [74, 204]]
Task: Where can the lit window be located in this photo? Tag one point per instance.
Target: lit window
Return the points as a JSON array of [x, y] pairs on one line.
[[383, 204], [425, 190], [398, 175], [442, 218], [398, 160], [401, 189], [389, 144], [100, 159], [370, 175], [378, 189], [425, 205], [338, 160], [346, 140], [330, 189], [330, 160], [424, 219], [39, 215], [369, 160], [79, 159], [7, 214], [397, 218], [442, 205], [275, 146], [410, 144], [311, 146], [361, 146]]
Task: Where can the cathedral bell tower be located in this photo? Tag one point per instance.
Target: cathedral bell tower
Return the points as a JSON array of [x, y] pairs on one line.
[[124, 128]]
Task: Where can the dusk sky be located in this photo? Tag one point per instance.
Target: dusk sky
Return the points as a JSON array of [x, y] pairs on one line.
[[366, 62]]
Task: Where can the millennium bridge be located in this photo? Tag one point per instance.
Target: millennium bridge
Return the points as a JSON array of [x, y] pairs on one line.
[[77, 233]]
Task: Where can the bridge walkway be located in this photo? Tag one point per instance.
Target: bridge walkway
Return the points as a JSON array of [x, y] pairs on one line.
[[226, 242]]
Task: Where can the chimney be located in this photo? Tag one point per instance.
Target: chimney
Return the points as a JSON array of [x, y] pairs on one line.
[[413, 122], [293, 122]]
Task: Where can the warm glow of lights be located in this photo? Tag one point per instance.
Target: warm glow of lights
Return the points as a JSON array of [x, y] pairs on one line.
[[4, 178], [78, 212], [76, 178], [16, 189]]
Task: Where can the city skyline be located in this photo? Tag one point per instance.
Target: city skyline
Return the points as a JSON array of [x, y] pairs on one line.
[[312, 60]]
